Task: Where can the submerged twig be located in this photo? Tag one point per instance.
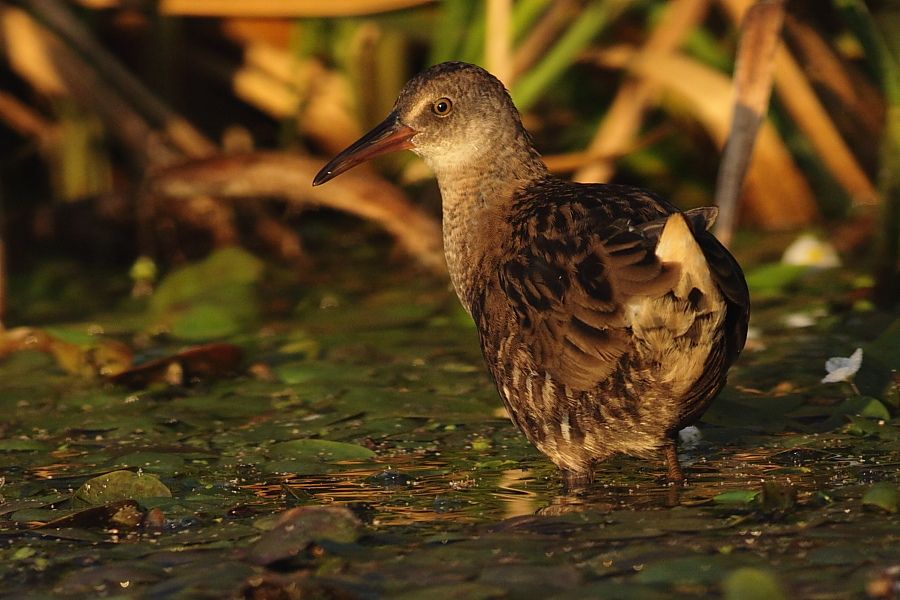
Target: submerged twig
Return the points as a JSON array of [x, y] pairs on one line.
[[755, 64]]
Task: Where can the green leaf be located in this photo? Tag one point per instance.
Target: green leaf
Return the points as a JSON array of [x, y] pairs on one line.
[[205, 321], [886, 349], [72, 335], [736, 497], [594, 18], [23, 445], [121, 485], [883, 495], [869, 427], [773, 277], [864, 406], [213, 298], [752, 584]]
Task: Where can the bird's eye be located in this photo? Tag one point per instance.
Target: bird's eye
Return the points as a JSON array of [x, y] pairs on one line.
[[442, 107]]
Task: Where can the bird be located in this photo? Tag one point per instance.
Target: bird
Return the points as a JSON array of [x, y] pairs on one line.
[[607, 317]]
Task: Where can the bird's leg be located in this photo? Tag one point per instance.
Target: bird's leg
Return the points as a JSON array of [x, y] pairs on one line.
[[577, 480], [673, 469]]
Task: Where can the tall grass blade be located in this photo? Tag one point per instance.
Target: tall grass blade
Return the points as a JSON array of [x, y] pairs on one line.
[[454, 19], [532, 84], [880, 39]]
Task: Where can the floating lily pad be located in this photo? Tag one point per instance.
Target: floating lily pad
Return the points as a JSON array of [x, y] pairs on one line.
[[299, 527], [121, 485], [210, 299], [884, 496], [736, 497], [23, 445], [752, 584], [693, 569]]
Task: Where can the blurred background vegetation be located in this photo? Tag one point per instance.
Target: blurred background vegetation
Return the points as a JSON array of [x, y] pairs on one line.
[[139, 135]]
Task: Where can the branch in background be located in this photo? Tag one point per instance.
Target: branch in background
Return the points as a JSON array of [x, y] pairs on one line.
[[24, 120], [760, 36], [282, 8], [41, 58], [281, 240], [861, 101], [284, 87], [3, 278], [144, 125], [58, 18], [261, 174], [572, 161], [811, 117], [879, 37], [622, 120], [778, 195]]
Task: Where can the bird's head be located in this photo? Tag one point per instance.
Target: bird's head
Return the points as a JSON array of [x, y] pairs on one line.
[[454, 115]]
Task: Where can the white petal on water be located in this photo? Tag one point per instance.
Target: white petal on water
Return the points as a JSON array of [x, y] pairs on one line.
[[799, 320], [689, 436], [809, 251], [842, 368]]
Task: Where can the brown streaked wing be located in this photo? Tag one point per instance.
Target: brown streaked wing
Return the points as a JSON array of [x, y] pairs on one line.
[[569, 297]]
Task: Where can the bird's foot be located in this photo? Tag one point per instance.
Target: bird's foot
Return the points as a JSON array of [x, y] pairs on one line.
[[673, 469], [574, 481]]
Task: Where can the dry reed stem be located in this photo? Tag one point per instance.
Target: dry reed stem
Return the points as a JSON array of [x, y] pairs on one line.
[[498, 40], [144, 145], [543, 34], [3, 278], [25, 120], [572, 161], [779, 196], [285, 176], [106, 67], [862, 101], [55, 69], [811, 117], [282, 86], [283, 8], [27, 53], [760, 33], [622, 120]]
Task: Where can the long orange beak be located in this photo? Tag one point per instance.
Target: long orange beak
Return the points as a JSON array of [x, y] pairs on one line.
[[388, 136]]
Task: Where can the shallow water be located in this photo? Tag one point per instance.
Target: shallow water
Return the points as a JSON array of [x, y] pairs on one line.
[[454, 502]]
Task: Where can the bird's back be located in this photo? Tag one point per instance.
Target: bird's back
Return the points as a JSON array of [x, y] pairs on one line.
[[607, 317]]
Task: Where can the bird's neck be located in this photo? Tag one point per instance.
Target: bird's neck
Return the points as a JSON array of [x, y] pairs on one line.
[[476, 201]]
